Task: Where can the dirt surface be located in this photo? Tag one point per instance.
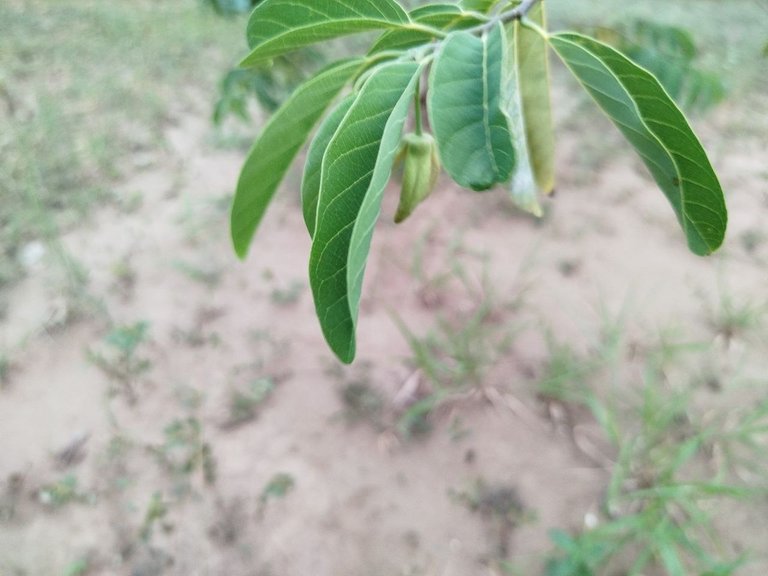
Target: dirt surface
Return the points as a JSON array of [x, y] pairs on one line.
[[93, 470]]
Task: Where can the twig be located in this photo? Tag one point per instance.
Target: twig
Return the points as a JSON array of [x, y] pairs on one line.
[[517, 13]]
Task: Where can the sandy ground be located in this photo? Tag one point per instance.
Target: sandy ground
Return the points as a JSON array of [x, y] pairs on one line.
[[296, 488]]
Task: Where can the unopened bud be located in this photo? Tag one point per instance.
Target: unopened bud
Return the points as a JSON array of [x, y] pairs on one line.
[[421, 167]]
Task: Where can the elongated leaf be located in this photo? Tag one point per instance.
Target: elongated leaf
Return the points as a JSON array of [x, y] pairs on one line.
[[531, 55], [279, 26], [356, 167], [523, 188], [277, 146], [465, 109], [437, 16], [310, 183], [638, 105]]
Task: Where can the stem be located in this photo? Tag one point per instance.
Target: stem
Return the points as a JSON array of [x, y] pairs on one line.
[[535, 27], [517, 13], [417, 107], [416, 27]]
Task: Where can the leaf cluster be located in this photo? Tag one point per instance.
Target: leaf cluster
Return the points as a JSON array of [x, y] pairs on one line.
[[481, 69]]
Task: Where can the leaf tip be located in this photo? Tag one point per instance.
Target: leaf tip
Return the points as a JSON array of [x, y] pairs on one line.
[[345, 354]]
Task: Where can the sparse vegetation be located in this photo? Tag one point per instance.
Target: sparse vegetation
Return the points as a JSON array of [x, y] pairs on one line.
[[119, 359], [63, 492], [501, 507], [185, 452], [245, 447], [244, 404]]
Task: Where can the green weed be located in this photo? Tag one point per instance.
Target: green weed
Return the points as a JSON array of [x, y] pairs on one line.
[[244, 405], [288, 295], [362, 402], [157, 510], [734, 318], [119, 358], [207, 276], [63, 492], [416, 420], [79, 567], [656, 514], [457, 354], [277, 487], [184, 452], [65, 141], [5, 370], [501, 508]]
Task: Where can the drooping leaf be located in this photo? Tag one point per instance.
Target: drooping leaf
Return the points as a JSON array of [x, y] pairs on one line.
[[638, 105], [465, 109], [277, 146], [436, 16], [522, 187], [532, 59], [279, 26], [355, 169], [310, 182]]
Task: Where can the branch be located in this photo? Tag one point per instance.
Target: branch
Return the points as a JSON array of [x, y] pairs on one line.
[[519, 12]]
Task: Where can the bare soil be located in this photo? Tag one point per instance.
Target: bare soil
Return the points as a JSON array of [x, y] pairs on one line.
[[357, 496]]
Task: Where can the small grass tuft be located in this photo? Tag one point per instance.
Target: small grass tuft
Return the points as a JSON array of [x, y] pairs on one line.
[[118, 357]]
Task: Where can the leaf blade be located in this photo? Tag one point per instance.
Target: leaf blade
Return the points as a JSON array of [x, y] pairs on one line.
[[279, 26], [437, 16], [475, 144], [638, 105], [523, 188], [276, 147], [532, 57], [312, 177], [356, 168]]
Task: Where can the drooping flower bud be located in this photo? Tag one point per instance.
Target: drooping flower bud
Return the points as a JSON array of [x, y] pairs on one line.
[[421, 167]]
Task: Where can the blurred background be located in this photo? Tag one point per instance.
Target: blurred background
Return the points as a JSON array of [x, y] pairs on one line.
[[571, 396]]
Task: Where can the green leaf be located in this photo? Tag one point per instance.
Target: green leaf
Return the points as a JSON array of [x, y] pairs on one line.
[[355, 169], [483, 6], [646, 115], [279, 26], [668, 555], [522, 188], [532, 60], [310, 183], [277, 146], [437, 16], [465, 109]]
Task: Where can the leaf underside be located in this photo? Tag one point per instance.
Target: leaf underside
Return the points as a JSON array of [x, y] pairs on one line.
[[279, 26], [310, 182], [277, 146], [531, 56], [355, 169], [637, 104], [438, 16], [465, 109], [523, 189]]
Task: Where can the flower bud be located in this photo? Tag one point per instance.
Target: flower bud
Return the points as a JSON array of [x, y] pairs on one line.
[[421, 167]]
